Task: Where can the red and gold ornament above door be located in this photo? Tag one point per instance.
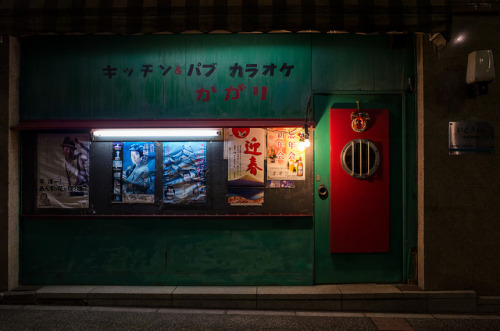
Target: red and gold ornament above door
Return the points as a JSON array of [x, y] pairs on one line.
[[359, 120]]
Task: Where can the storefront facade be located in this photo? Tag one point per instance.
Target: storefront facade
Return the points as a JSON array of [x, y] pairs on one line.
[[70, 85], [215, 243]]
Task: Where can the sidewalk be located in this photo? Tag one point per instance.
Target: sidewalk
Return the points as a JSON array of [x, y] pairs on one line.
[[338, 298], [85, 318]]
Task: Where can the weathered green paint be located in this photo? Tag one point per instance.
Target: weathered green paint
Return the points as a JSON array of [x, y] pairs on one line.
[[167, 251], [358, 63], [366, 71], [64, 77], [60, 82]]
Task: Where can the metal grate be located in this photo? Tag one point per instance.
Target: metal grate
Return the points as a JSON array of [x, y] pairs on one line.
[[360, 158]]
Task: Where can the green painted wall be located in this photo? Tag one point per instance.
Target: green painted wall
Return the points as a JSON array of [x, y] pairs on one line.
[[167, 251], [367, 71], [62, 78], [69, 77], [359, 63]]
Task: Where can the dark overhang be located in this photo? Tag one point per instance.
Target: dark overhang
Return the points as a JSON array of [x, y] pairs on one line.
[[34, 17]]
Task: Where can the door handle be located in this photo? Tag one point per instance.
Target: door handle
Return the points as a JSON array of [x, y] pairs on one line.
[[323, 191]]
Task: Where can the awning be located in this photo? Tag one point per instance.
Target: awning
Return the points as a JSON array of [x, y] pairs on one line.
[[32, 17]]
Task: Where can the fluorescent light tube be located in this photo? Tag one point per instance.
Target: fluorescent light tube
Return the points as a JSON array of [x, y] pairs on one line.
[[156, 133]]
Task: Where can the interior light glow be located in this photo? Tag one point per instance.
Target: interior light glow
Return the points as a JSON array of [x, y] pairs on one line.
[[460, 38], [307, 143], [156, 133]]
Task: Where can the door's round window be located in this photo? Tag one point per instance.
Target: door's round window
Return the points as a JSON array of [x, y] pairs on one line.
[[360, 158]]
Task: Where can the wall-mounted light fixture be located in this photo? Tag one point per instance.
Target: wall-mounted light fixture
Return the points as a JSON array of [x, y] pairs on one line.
[[438, 41], [306, 143], [157, 134], [480, 72]]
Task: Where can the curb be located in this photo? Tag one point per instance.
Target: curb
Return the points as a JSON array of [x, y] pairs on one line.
[[340, 298]]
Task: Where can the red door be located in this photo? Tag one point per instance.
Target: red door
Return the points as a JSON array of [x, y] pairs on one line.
[[359, 214]]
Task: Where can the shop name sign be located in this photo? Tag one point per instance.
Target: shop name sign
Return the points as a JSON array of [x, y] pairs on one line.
[[178, 76], [470, 137], [204, 93]]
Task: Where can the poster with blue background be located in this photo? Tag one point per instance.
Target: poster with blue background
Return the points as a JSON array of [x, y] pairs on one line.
[[138, 178], [184, 172]]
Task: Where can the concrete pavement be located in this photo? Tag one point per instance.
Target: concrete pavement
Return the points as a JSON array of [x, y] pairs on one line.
[[336, 298], [42, 317]]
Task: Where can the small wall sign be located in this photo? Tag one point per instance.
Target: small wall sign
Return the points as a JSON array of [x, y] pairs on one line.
[[470, 137]]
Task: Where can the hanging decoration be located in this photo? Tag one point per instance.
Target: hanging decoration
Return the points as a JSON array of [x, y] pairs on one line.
[[359, 120]]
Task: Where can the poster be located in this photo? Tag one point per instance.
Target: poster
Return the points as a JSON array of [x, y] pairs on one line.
[[184, 172], [246, 149], [133, 172], [63, 171], [280, 184], [285, 160]]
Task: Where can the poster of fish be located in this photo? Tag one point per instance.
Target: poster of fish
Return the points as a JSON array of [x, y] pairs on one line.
[[63, 171], [133, 172], [184, 172], [285, 159], [246, 150]]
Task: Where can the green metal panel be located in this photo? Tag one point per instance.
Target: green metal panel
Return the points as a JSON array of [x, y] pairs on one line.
[[347, 69], [167, 251], [168, 77], [356, 62]]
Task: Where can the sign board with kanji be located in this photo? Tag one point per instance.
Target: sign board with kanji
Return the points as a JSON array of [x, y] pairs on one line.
[[164, 77]]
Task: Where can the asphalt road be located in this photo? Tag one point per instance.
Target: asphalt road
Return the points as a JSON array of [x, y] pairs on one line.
[[108, 318]]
